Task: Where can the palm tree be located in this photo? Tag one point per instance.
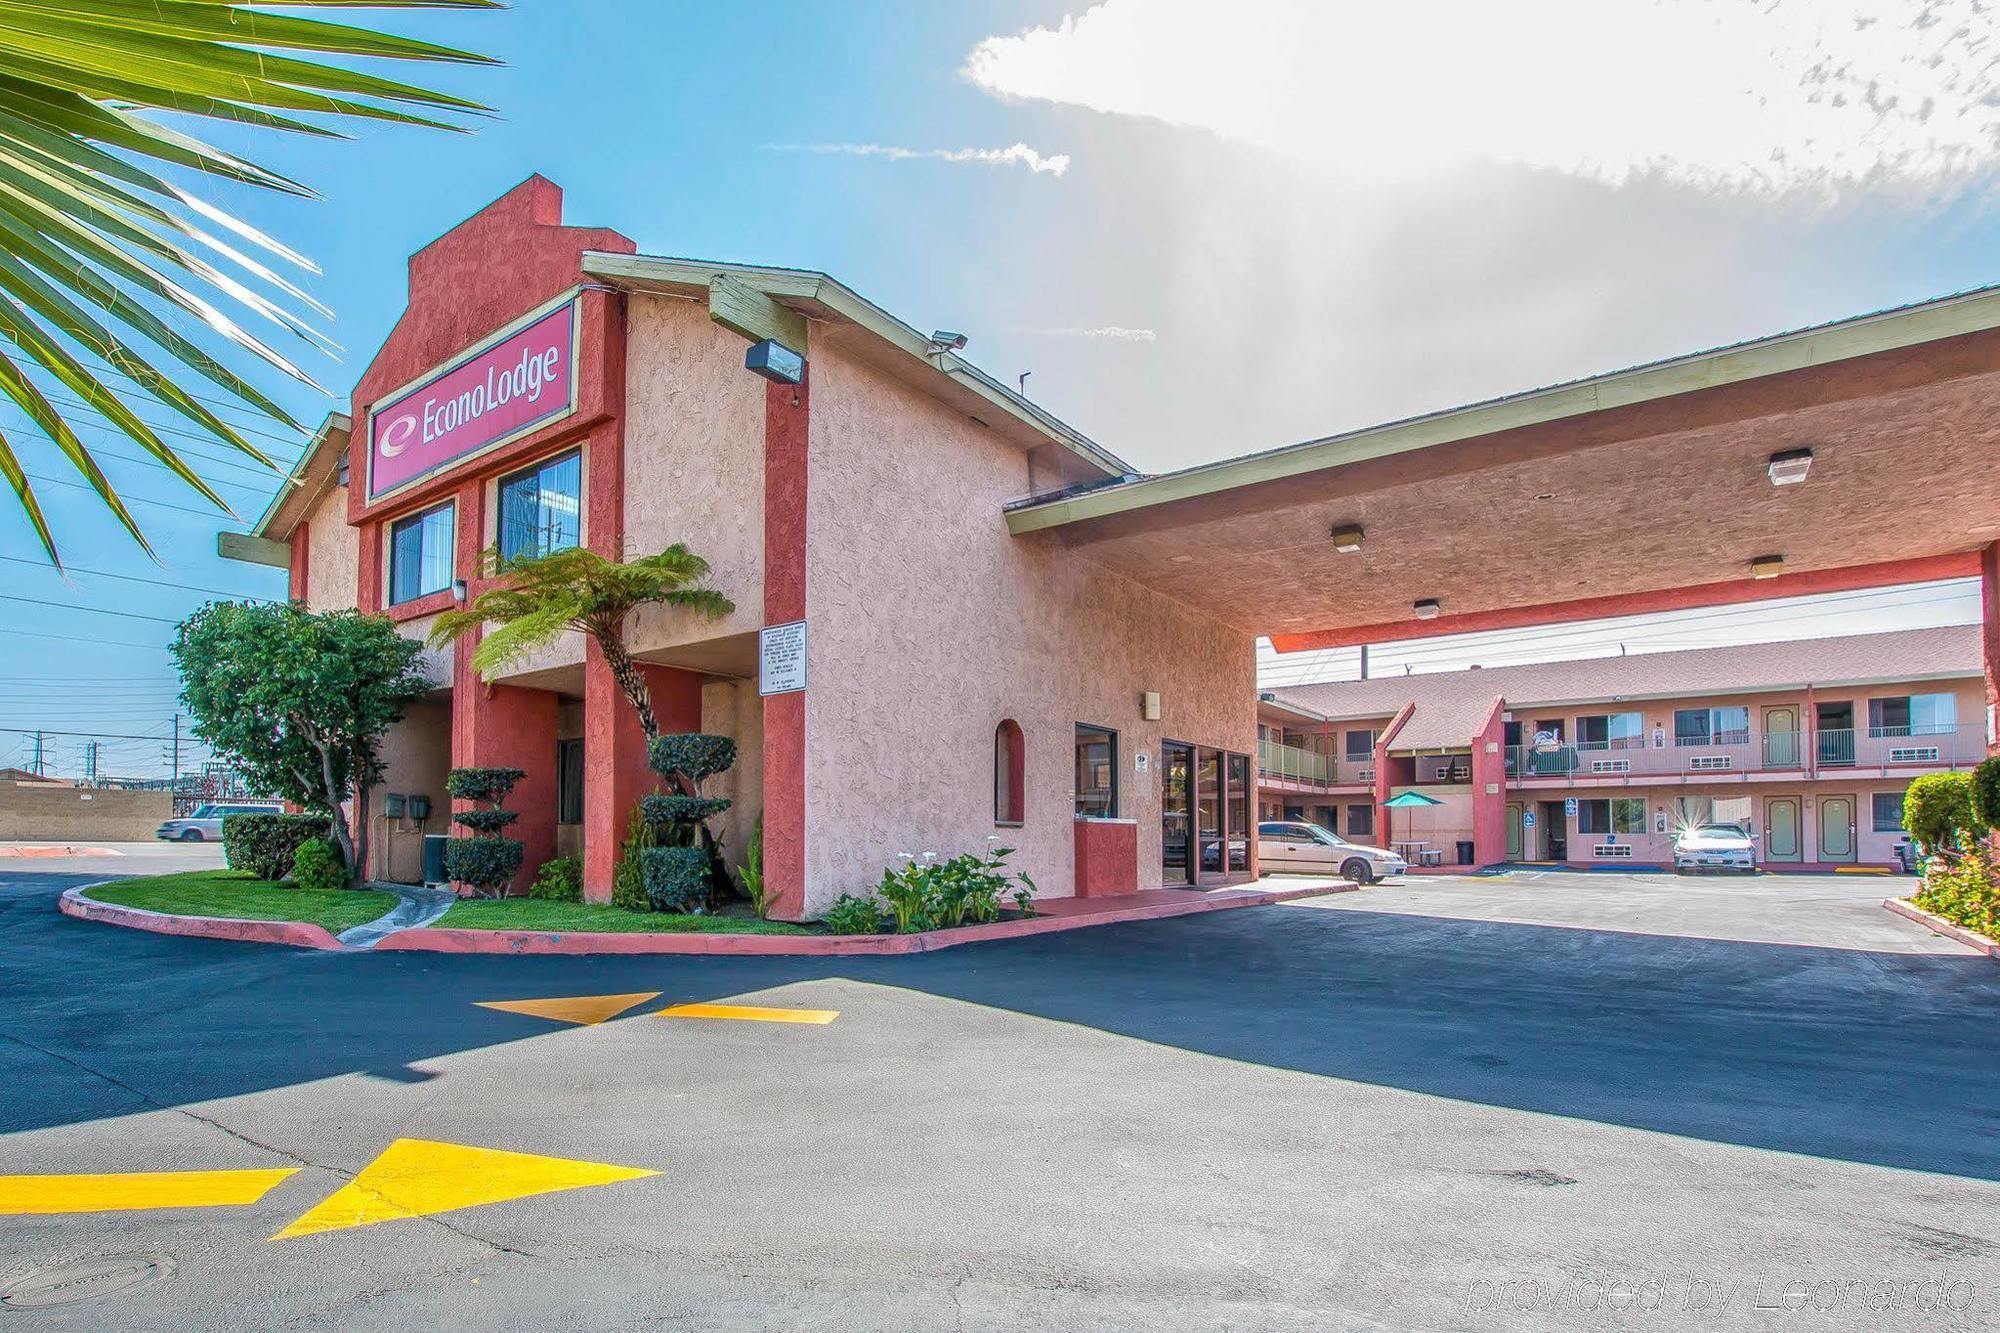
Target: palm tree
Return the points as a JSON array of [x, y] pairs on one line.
[[101, 251], [578, 589]]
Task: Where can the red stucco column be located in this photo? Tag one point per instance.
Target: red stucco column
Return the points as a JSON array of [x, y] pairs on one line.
[[1989, 633], [507, 726], [786, 410], [615, 769], [1489, 789]]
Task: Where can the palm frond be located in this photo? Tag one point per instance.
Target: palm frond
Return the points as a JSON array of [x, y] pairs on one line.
[[90, 222]]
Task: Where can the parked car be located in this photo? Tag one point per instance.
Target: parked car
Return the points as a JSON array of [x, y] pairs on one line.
[[1715, 847], [1293, 846], [205, 824]]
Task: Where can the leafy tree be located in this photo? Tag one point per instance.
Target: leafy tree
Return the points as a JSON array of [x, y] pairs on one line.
[[94, 245], [299, 700], [1986, 795], [1937, 809], [578, 589]]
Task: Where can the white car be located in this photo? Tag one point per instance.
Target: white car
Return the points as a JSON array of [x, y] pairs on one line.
[[205, 824], [1715, 847], [1295, 847]]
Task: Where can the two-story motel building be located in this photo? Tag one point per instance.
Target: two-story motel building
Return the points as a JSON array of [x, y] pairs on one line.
[[1809, 745]]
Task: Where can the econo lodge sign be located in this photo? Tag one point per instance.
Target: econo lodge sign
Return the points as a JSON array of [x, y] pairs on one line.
[[519, 379]]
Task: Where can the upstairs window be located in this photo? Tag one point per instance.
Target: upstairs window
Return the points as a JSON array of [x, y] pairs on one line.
[[1360, 745], [541, 510], [420, 554], [1009, 790], [1611, 731], [1912, 715], [1712, 726]]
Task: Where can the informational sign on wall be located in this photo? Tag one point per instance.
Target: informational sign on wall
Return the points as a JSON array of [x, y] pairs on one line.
[[1569, 806], [519, 379], [781, 658]]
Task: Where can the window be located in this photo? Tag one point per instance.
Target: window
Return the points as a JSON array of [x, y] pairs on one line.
[[1628, 815], [1096, 772], [1009, 789], [1237, 774], [1912, 715], [420, 554], [1360, 821], [1361, 745], [1888, 812], [1593, 816], [1712, 726], [569, 782], [1611, 731], [540, 509]]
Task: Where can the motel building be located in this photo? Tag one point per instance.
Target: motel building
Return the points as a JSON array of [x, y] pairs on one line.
[[960, 623], [1808, 745]]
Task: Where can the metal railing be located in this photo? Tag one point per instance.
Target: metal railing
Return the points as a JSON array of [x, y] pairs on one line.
[[1292, 764], [1881, 749]]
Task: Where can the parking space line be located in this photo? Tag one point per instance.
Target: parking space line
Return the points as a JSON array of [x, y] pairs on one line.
[[134, 1190], [751, 1012]]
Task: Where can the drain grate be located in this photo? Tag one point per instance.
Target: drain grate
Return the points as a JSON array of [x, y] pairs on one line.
[[83, 1280]]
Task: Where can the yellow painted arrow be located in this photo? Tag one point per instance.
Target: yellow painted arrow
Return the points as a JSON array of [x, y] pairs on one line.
[[418, 1177], [572, 1008], [133, 1190], [753, 1012]]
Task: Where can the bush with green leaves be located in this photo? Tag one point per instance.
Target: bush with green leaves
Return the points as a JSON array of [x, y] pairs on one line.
[[1963, 892], [852, 914], [1937, 810], [750, 875], [485, 863], [560, 880], [684, 761], [1985, 796], [931, 894], [628, 881], [264, 845], [316, 866], [677, 878]]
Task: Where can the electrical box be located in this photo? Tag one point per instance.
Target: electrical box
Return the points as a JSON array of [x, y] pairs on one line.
[[419, 807], [392, 806]]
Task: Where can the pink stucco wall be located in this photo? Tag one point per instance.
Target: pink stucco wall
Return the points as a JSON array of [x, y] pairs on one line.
[[930, 624], [332, 553], [1871, 848]]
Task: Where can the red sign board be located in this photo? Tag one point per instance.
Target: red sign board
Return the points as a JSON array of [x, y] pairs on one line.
[[525, 379]]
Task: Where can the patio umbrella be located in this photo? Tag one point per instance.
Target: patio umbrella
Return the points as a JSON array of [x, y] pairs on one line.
[[1409, 800]]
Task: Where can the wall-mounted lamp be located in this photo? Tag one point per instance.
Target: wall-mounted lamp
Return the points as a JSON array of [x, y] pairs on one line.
[[458, 590], [1767, 566], [1347, 538], [1789, 468], [1149, 706], [1426, 609], [775, 362]]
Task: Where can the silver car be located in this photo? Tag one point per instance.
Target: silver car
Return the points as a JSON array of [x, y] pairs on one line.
[[205, 824], [1715, 847], [1293, 846]]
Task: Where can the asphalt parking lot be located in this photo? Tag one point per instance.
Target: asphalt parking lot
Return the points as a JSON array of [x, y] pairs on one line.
[[1520, 1103]]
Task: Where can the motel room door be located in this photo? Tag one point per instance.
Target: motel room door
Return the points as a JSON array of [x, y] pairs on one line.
[[1781, 829], [1515, 829], [1836, 828], [1781, 736]]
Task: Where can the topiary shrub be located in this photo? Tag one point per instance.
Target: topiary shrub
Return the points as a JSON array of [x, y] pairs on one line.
[[486, 863], [852, 914], [685, 760], [1937, 810], [560, 880], [264, 845], [676, 878], [692, 755], [316, 866], [681, 809], [1985, 795]]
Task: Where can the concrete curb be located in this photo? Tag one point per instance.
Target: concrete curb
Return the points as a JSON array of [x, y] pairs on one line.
[[297, 934], [1937, 925], [433, 940]]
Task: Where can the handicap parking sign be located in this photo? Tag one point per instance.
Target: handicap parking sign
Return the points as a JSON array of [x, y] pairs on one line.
[[1527, 819], [1569, 806]]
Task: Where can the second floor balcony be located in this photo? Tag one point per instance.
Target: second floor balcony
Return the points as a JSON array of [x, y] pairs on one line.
[[1827, 752], [1290, 764]]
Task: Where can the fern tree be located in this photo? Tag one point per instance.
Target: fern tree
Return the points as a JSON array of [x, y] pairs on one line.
[[578, 589], [107, 263]]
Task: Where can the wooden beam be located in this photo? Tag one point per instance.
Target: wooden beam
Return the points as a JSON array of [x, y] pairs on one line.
[[253, 550], [742, 309]]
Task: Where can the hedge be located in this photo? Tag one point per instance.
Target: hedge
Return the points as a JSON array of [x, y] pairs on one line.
[[682, 809], [676, 878], [487, 864], [264, 845], [692, 754]]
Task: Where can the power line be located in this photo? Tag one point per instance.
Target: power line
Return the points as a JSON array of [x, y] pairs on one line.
[[70, 638], [93, 610], [134, 578], [139, 499]]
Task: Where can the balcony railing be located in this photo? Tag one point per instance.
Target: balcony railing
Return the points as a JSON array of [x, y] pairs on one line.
[[1877, 749], [1289, 763]]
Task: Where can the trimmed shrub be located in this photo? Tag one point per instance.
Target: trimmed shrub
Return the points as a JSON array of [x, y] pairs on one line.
[[560, 880], [264, 845], [482, 784], [628, 882], [316, 866], [1937, 810], [483, 864], [681, 809], [692, 755], [676, 878], [854, 915], [485, 821], [1963, 893], [1985, 795]]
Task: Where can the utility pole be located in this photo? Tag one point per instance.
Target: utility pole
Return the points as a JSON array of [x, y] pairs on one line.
[[176, 787], [38, 763], [90, 762]]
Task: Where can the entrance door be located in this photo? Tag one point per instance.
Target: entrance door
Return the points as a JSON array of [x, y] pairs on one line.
[[1781, 737], [1781, 829], [1209, 861], [1176, 813], [1555, 831], [1836, 828], [1836, 735], [1514, 830]]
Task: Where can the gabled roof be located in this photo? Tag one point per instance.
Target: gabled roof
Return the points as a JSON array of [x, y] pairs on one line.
[[1446, 699]]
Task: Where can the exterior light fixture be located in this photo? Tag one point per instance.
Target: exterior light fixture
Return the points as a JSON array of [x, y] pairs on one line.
[[458, 590], [1347, 538], [1789, 468], [1767, 566], [775, 362], [1427, 609]]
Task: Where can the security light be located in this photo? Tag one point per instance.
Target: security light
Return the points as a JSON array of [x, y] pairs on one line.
[[1789, 468], [1427, 609], [1767, 566], [1347, 538]]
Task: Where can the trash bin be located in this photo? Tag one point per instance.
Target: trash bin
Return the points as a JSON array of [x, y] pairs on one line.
[[434, 858], [1465, 852]]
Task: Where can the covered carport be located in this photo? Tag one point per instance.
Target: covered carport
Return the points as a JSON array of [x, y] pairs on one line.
[[1850, 455]]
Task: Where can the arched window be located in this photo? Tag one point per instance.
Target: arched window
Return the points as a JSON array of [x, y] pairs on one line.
[[1009, 758]]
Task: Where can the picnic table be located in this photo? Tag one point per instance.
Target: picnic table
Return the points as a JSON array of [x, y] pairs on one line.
[[1418, 853]]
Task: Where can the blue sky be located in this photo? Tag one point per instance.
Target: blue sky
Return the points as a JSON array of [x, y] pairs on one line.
[[1276, 220]]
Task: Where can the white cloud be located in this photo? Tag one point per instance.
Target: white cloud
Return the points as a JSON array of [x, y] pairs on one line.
[[1761, 96], [1019, 154], [1106, 333]]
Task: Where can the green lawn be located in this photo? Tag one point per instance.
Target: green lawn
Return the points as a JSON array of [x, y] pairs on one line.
[[233, 893], [536, 914]]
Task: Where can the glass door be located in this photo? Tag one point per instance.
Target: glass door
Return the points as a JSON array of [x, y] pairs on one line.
[[1176, 813], [1237, 814], [1208, 815]]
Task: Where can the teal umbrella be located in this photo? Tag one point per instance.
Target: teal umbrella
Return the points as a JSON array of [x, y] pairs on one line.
[[1409, 800]]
